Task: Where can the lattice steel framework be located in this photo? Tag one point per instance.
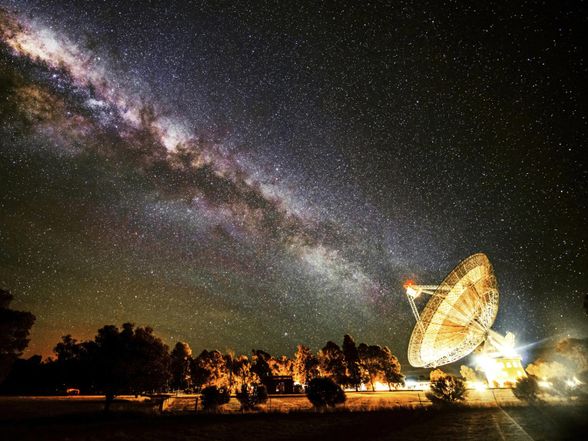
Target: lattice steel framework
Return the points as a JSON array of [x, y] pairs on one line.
[[458, 317]]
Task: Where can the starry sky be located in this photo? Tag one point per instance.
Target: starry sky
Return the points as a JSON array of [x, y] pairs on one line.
[[260, 174]]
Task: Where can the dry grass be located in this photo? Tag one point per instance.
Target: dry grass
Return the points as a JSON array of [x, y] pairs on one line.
[[468, 423], [378, 416]]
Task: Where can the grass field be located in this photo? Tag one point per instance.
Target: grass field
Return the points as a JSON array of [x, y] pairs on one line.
[[81, 418], [27, 407]]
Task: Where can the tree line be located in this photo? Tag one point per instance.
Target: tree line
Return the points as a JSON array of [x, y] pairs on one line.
[[133, 360]]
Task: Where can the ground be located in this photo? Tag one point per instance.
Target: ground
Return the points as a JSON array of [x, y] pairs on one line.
[[80, 418]]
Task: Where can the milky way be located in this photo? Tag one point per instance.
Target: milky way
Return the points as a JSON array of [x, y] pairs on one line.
[[236, 181]]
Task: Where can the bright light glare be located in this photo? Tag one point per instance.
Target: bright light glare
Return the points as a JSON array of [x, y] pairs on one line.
[[487, 365], [479, 386], [573, 382], [412, 292], [544, 384], [380, 386]]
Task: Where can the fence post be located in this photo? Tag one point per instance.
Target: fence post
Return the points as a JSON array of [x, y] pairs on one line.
[[494, 395]]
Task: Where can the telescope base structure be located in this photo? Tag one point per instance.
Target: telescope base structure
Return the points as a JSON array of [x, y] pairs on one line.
[[501, 371]]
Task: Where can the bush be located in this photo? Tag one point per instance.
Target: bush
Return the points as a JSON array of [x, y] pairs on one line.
[[251, 396], [213, 397], [527, 389], [447, 389], [324, 392]]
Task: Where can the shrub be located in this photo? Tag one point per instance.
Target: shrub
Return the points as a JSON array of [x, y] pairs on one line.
[[251, 396], [447, 389], [213, 397], [527, 389], [324, 392]]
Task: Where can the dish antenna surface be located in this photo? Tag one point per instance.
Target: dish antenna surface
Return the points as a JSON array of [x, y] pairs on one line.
[[458, 317]]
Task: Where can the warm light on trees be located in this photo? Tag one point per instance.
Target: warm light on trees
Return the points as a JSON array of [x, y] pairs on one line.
[[391, 374], [210, 369], [446, 388], [306, 365], [332, 363]]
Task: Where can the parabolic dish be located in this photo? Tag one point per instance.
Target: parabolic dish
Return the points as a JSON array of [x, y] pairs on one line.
[[458, 316]]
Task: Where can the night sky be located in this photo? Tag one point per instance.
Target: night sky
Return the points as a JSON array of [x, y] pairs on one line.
[[247, 175]]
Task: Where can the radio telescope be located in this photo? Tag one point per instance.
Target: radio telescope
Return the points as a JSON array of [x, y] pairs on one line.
[[458, 316]]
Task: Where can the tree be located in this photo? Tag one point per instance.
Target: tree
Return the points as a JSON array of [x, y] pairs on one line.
[[260, 365], [391, 368], [210, 369], [527, 389], [14, 333], [73, 365], [181, 364], [547, 370], [468, 373], [252, 396], [306, 365], [356, 374], [323, 392], [243, 372], [372, 361], [281, 366], [232, 365], [129, 361], [332, 363], [29, 377], [446, 388], [576, 350], [435, 374], [213, 397]]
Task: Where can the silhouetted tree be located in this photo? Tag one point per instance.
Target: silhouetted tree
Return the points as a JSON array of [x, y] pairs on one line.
[[260, 365], [252, 396], [74, 365], [130, 360], [323, 392], [356, 374], [181, 364], [30, 377], [199, 370], [14, 333], [213, 397], [306, 365], [332, 363], [527, 389]]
